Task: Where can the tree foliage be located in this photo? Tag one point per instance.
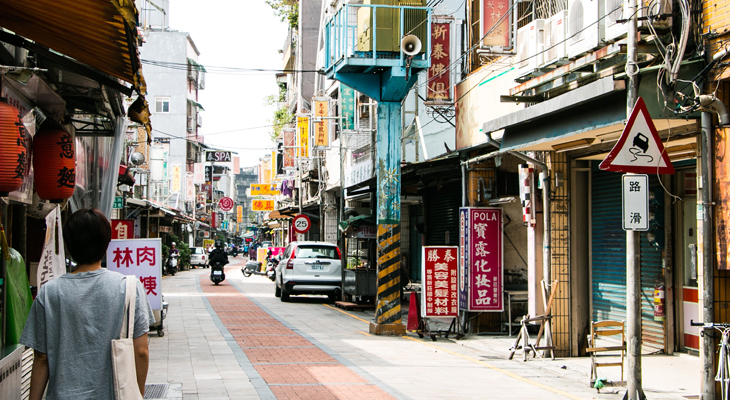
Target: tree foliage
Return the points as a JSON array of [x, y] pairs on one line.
[[281, 117], [287, 10]]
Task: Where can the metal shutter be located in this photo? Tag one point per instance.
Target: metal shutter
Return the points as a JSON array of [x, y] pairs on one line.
[[415, 239], [609, 255], [441, 215]]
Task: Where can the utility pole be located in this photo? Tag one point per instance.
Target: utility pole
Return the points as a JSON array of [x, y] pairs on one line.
[[708, 292], [633, 257]]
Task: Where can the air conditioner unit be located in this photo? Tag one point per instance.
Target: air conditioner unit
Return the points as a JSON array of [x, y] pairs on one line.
[[529, 47], [585, 26], [555, 47], [200, 120], [617, 10], [191, 124]]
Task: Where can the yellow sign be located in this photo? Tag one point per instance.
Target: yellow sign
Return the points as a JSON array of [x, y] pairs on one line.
[[260, 256], [303, 130], [239, 214], [262, 205], [176, 178], [321, 128], [208, 242], [258, 189], [273, 165]]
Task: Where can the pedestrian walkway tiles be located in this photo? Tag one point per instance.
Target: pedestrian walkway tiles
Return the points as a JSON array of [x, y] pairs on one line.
[[291, 365]]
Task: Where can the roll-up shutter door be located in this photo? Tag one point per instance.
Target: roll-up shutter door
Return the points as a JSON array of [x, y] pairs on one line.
[[416, 240], [441, 215], [609, 255]]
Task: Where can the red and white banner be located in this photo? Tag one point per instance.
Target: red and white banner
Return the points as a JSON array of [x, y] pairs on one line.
[[440, 269], [290, 148], [481, 285], [495, 24], [439, 75], [122, 229], [142, 258]]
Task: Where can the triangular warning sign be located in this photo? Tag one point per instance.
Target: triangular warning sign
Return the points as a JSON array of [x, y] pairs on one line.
[[639, 150]]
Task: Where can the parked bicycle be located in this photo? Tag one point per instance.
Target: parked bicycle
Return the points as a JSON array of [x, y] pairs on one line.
[[723, 361]]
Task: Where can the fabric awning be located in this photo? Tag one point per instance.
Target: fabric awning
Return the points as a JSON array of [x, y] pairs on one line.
[[279, 216], [101, 34], [196, 104]]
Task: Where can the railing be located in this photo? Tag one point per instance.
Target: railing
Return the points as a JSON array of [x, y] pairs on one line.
[[342, 34]]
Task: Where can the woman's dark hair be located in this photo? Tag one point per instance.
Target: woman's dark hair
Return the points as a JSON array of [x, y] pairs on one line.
[[87, 234]]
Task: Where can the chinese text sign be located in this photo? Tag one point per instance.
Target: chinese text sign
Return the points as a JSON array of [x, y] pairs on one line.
[[481, 281], [142, 258], [303, 136], [262, 205], [495, 24], [439, 78], [440, 281], [347, 106], [290, 147], [635, 202], [321, 128], [122, 229]]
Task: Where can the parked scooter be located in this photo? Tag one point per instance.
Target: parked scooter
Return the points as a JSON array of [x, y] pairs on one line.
[[171, 265], [217, 275], [252, 268], [271, 268]]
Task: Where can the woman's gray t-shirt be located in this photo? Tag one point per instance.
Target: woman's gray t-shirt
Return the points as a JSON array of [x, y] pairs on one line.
[[73, 320]]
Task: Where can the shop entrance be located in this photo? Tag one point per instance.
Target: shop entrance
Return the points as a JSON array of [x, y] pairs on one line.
[[687, 257]]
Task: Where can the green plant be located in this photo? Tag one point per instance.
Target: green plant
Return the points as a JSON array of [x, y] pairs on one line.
[[287, 10], [282, 116]]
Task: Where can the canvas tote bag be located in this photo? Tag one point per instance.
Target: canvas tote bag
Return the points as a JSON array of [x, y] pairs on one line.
[[124, 370]]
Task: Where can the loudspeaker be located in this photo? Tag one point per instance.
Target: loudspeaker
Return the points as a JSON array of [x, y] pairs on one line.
[[410, 45]]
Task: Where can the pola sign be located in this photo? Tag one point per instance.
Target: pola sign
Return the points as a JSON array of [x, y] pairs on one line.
[[218, 156]]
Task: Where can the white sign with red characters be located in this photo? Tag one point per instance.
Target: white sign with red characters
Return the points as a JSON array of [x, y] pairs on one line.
[[481, 273], [140, 257], [440, 269]]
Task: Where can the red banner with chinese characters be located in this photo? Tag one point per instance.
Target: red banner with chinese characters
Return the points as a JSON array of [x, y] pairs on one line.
[[481, 285], [290, 147], [439, 77], [495, 25], [122, 229], [440, 281]]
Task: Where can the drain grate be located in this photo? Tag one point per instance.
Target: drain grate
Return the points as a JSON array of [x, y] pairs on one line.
[[156, 390]]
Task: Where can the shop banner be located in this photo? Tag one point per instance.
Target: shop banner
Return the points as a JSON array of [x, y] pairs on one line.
[[53, 259], [176, 183], [321, 128], [208, 191], [25, 112], [190, 188], [273, 165], [495, 25], [480, 254], [347, 107], [290, 149], [199, 173], [439, 75], [303, 136], [239, 214], [236, 165], [440, 269], [122, 229], [262, 205], [258, 189], [208, 174], [141, 258]]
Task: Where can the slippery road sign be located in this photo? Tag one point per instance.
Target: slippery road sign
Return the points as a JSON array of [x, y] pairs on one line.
[[639, 150]]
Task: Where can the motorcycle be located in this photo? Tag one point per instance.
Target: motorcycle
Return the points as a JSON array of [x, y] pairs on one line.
[[232, 252], [217, 275], [171, 265], [252, 268], [271, 268]]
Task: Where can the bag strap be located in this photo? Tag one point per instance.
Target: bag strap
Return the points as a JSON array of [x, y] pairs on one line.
[[130, 302]]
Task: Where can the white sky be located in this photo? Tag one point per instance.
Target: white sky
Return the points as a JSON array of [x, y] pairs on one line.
[[240, 34]]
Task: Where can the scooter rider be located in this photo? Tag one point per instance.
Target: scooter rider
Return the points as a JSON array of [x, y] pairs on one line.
[[218, 254]]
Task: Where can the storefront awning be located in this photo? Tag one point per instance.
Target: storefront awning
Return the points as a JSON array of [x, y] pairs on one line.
[[101, 34], [196, 104], [279, 216]]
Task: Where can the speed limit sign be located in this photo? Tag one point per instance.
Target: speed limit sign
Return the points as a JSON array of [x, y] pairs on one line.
[[302, 223]]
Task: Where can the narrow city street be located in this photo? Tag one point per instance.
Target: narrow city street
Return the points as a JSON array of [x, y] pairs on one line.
[[238, 341]]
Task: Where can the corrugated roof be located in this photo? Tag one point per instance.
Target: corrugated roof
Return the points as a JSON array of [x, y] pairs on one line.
[[98, 33]]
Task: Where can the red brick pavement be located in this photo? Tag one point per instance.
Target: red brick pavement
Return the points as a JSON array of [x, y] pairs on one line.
[[292, 366]]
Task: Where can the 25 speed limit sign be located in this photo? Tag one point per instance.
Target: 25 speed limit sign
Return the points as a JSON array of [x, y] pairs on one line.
[[302, 223]]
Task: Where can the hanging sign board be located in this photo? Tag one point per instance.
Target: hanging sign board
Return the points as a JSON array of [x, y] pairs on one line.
[[258, 189], [218, 156], [262, 205], [303, 136], [122, 228], [321, 128], [440, 272], [225, 204], [439, 75], [239, 214], [199, 173], [142, 258], [635, 202], [639, 150], [480, 259], [347, 107], [290, 149]]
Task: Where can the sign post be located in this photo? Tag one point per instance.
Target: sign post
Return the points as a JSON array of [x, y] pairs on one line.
[[301, 224]]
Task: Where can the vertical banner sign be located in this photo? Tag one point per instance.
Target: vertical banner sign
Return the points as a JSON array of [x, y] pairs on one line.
[[439, 76], [142, 258], [53, 259], [190, 187], [273, 165], [236, 165], [526, 174], [481, 287], [199, 173], [347, 107], [321, 128], [495, 25], [290, 148], [440, 289], [208, 174], [635, 202], [239, 214], [303, 136], [176, 179]]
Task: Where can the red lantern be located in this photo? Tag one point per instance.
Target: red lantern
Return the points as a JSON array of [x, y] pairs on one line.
[[54, 165], [13, 152]]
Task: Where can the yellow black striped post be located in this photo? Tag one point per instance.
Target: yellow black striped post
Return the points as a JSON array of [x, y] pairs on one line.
[[389, 288]]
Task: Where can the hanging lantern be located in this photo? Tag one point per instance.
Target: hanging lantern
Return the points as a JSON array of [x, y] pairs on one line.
[[54, 165], [13, 152]]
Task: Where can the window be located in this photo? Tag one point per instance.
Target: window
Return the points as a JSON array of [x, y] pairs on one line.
[[162, 105], [317, 252]]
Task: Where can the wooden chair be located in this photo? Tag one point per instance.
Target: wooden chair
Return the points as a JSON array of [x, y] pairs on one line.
[[600, 330]]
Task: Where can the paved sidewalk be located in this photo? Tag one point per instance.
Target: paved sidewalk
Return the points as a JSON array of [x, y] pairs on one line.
[[237, 341]]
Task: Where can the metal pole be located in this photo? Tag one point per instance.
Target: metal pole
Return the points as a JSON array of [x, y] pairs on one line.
[[633, 261], [708, 295]]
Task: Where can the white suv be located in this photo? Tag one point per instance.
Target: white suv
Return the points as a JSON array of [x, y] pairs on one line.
[[309, 268]]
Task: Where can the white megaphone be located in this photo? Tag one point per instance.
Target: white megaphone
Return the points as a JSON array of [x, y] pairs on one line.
[[410, 45]]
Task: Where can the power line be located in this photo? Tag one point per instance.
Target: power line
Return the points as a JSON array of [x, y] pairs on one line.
[[221, 70]]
